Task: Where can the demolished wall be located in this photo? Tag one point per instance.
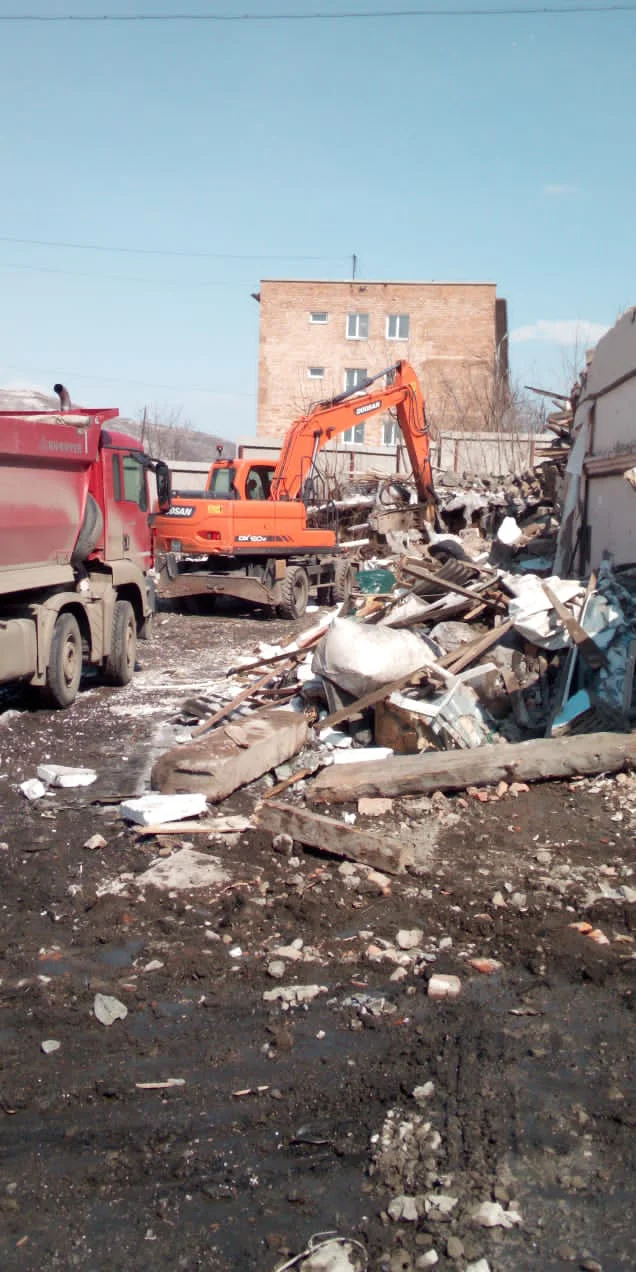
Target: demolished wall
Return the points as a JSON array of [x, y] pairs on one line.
[[599, 506]]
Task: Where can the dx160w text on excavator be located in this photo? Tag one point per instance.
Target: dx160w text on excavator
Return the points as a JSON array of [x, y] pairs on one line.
[[247, 536]]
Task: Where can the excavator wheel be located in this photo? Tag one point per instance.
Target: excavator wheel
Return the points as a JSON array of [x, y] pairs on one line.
[[343, 581], [294, 590]]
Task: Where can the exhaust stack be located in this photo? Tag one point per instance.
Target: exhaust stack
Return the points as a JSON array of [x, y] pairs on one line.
[[64, 396]]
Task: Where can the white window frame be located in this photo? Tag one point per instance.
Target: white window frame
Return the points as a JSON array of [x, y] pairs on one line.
[[318, 317], [359, 374], [315, 373], [350, 435], [389, 423], [353, 321], [397, 319]]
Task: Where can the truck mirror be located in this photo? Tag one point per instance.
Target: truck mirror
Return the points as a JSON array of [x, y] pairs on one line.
[[164, 486]]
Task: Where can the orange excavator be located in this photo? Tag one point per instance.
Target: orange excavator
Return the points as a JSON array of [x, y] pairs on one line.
[[246, 535]]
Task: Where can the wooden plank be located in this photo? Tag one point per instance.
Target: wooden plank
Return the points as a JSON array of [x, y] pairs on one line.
[[468, 653], [229, 707], [329, 835], [538, 760], [289, 781], [587, 647], [303, 647], [376, 695], [446, 586]]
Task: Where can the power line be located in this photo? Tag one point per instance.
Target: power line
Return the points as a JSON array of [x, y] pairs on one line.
[[552, 10], [147, 384], [124, 278], [151, 251]]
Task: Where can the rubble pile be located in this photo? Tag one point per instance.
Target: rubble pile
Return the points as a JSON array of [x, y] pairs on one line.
[[372, 512], [438, 654]]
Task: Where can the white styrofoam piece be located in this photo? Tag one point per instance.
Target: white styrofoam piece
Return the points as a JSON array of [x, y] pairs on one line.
[[154, 809], [63, 775]]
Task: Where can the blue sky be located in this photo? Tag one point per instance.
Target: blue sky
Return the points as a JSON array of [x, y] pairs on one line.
[[497, 149]]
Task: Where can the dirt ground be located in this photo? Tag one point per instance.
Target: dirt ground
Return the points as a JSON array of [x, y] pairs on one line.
[[288, 1123]]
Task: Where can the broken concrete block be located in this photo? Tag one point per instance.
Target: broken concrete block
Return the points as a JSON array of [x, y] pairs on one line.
[[491, 1214], [441, 986], [155, 810], [232, 755], [108, 1009], [374, 807], [183, 870]]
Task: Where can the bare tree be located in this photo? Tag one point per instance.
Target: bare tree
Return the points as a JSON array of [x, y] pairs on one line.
[[165, 432], [484, 401]]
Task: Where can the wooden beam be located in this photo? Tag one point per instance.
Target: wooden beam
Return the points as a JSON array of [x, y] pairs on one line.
[[329, 835], [587, 647], [470, 651], [375, 696], [539, 760], [445, 585]]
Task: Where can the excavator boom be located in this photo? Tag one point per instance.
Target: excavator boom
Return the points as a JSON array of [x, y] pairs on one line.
[[306, 438]]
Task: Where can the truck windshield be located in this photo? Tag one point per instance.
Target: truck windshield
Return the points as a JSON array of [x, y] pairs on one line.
[[222, 483]]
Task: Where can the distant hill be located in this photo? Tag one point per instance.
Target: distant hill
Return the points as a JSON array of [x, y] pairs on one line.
[[178, 441], [25, 399]]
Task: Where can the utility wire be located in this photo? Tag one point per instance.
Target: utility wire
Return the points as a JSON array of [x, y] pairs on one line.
[[151, 251], [124, 278], [550, 10], [122, 379]]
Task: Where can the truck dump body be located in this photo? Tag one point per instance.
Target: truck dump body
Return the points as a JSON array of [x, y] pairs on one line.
[[45, 465]]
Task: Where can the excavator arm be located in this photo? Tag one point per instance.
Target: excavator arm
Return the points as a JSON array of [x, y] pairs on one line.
[[309, 434]]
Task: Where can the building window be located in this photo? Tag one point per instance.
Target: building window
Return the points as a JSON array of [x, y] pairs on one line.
[[357, 326], [389, 431], [397, 327], [354, 377], [319, 316], [355, 434], [315, 373]]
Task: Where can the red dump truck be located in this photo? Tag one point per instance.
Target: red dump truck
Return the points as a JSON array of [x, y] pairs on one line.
[[75, 547]]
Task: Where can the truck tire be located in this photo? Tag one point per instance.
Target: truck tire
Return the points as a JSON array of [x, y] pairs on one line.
[[64, 671], [119, 666], [343, 581], [294, 591], [90, 533]]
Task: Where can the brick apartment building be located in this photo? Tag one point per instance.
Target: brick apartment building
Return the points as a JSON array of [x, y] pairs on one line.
[[318, 338]]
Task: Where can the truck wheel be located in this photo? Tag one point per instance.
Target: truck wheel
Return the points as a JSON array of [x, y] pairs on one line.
[[64, 671], [294, 590], [120, 665], [343, 581]]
